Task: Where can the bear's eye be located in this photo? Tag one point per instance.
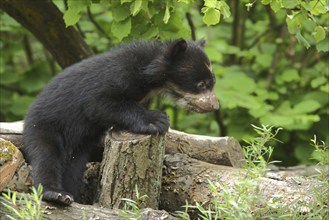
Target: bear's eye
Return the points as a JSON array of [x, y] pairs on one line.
[[202, 85]]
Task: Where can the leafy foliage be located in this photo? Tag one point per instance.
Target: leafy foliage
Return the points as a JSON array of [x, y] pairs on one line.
[[270, 59]]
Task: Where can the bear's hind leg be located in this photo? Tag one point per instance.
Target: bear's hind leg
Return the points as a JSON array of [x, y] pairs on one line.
[[49, 173], [72, 177], [48, 164]]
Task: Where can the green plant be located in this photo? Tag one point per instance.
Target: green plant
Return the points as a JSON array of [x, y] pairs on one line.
[[256, 153], [30, 207], [130, 208], [321, 152]]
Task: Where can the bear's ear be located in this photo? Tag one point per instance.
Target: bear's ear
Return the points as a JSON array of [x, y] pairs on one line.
[[201, 43], [175, 48]]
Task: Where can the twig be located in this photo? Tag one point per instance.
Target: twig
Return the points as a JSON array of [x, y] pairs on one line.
[[191, 24], [220, 123], [98, 27]]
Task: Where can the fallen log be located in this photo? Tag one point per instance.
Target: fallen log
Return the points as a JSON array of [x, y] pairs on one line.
[[79, 211], [217, 150], [187, 179]]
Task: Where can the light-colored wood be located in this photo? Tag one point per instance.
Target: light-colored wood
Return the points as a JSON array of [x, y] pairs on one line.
[[131, 161]]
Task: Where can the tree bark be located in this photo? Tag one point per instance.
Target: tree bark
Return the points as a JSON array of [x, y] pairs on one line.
[[44, 20], [131, 161]]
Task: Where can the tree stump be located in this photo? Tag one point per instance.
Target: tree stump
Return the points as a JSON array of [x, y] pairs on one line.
[[130, 161]]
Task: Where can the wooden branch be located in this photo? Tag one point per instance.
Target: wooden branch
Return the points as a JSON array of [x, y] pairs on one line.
[[131, 161], [46, 23], [79, 211]]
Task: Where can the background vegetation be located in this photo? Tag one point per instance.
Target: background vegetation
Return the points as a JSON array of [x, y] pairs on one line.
[[270, 58]]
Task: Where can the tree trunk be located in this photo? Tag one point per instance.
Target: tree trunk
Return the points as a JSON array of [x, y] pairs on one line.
[[130, 162], [44, 20]]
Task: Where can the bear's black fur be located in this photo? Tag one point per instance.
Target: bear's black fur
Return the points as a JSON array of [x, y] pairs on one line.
[[74, 110]]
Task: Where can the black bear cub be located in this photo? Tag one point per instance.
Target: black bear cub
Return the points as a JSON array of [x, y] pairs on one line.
[[79, 105]]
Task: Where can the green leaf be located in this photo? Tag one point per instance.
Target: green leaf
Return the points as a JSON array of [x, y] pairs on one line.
[[35, 78], [174, 28], [232, 99], [167, 13], [211, 16], [290, 75], [210, 3], [322, 157], [6, 98], [135, 7], [125, 1], [185, 1], [265, 59], [316, 82], [120, 13], [325, 88], [266, 2], [237, 81], [293, 24], [289, 3], [277, 120], [151, 32], [9, 78], [72, 15], [276, 5], [121, 29], [316, 7], [21, 105], [323, 45], [319, 33], [225, 9], [306, 106], [302, 40]]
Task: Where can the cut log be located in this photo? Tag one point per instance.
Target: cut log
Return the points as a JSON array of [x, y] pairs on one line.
[[131, 161], [186, 180], [216, 150], [79, 211]]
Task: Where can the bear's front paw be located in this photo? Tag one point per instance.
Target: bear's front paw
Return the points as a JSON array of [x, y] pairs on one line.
[[158, 123]]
